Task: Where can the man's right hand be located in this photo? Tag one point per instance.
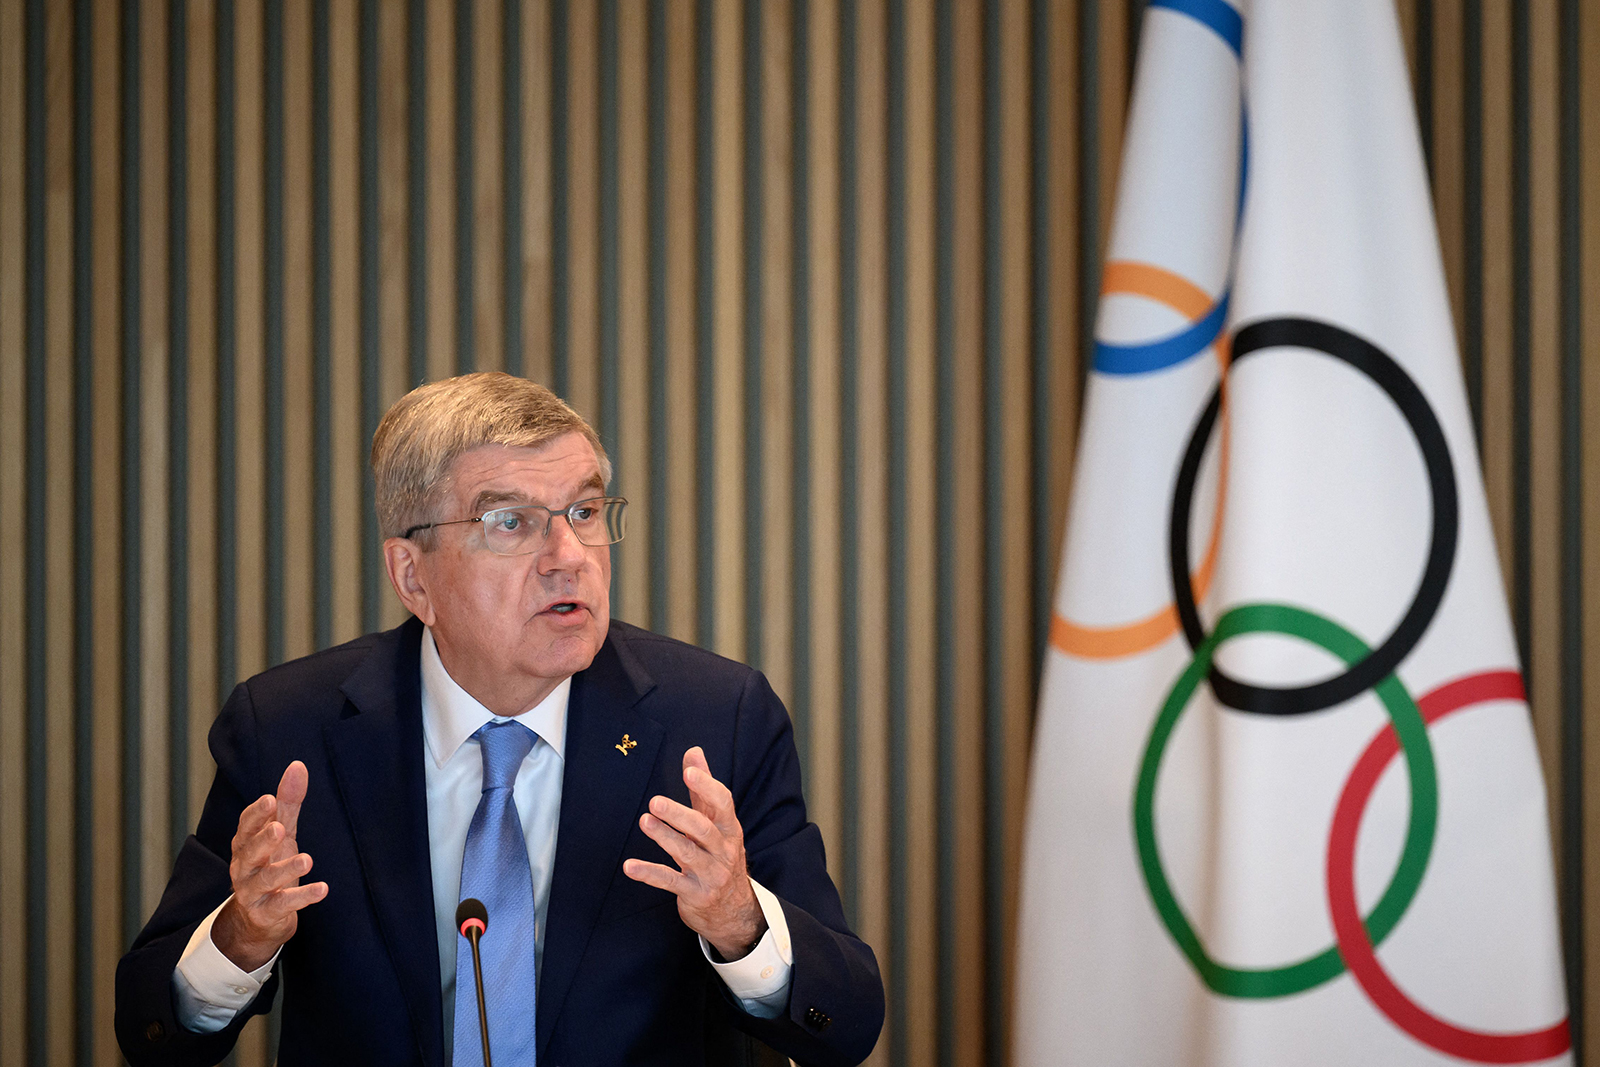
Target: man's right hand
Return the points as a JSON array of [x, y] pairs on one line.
[[266, 871]]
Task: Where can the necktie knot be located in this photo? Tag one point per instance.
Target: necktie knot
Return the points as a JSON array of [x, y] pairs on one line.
[[505, 745]]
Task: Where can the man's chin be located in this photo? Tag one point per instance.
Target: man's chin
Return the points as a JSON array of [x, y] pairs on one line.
[[569, 649]]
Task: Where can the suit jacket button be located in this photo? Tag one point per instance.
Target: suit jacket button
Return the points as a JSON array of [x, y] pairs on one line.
[[817, 1020], [155, 1032]]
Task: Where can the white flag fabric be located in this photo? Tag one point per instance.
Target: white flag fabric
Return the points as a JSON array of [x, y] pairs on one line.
[[1285, 803]]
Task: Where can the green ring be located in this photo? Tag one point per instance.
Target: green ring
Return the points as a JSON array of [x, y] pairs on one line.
[[1413, 733]]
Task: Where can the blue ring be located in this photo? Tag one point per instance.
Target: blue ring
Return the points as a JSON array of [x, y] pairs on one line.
[[1228, 24]]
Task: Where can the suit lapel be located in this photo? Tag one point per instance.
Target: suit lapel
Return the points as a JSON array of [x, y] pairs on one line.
[[602, 793], [376, 755]]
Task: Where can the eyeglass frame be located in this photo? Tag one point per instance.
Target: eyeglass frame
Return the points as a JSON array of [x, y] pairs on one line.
[[550, 519]]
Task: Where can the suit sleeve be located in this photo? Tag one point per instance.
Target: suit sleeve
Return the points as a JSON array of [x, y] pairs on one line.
[[836, 1001], [147, 1025]]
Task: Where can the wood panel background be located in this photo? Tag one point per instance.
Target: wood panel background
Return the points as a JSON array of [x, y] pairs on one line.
[[821, 272]]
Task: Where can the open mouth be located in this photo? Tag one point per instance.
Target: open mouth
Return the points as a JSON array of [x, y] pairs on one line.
[[565, 607]]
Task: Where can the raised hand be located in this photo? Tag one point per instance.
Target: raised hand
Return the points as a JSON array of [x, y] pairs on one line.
[[706, 841], [266, 870]]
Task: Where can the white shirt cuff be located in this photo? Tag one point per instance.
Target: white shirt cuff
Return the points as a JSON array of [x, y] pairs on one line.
[[760, 979], [208, 988]]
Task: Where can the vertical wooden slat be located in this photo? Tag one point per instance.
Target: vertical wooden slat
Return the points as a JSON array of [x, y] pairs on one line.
[[153, 461], [822, 384], [875, 922], [13, 562], [298, 593], [488, 239], [106, 478], [56, 440], [777, 346], [726, 509], [345, 464], [394, 107], [1497, 281], [1011, 540], [968, 539], [536, 177], [1112, 98], [202, 396], [919, 804], [1588, 76], [1449, 149], [1406, 10], [13, 850], [439, 109], [1544, 342], [1064, 284], [633, 297], [583, 207], [682, 398], [249, 415]]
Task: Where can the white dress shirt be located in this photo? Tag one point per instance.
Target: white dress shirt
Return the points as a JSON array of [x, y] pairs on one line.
[[209, 990]]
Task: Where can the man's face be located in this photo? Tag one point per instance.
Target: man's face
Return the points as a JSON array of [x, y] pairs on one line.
[[510, 628]]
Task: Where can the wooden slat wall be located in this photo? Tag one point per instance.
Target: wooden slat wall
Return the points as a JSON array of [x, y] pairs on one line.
[[822, 273]]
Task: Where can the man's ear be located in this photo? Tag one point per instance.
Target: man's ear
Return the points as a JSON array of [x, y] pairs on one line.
[[404, 562]]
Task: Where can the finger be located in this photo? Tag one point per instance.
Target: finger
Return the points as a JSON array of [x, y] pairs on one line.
[[694, 761], [680, 848], [291, 794], [711, 797], [273, 908], [257, 815], [301, 895], [251, 854], [257, 884], [655, 874], [696, 757], [285, 873], [688, 822]]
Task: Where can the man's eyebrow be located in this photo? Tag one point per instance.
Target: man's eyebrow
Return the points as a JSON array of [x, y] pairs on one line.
[[486, 500], [489, 499]]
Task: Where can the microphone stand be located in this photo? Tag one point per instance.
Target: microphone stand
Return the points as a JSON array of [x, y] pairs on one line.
[[472, 920], [473, 934]]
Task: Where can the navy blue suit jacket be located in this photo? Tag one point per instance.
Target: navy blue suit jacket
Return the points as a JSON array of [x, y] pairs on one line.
[[623, 980]]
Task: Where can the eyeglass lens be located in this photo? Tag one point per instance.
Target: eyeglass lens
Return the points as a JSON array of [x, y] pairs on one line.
[[513, 531]]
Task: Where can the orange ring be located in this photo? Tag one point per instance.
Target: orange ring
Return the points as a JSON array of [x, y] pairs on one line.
[[1111, 642]]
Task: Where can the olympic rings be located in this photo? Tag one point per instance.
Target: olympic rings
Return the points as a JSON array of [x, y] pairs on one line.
[[1109, 642], [1407, 724], [1413, 404], [1354, 943]]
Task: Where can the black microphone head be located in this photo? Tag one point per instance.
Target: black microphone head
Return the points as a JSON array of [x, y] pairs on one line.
[[470, 912]]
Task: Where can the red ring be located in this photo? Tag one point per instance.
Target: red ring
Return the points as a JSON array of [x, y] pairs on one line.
[[1354, 944]]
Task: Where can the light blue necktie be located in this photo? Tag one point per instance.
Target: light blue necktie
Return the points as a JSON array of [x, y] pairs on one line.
[[495, 870]]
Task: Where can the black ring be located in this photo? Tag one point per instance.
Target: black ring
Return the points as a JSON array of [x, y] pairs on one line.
[[1393, 380]]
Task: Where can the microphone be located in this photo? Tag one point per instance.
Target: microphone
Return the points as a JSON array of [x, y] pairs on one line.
[[472, 920]]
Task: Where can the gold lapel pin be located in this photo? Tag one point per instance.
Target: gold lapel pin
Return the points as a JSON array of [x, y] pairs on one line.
[[626, 743]]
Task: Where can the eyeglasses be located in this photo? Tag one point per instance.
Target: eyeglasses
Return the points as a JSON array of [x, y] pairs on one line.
[[517, 531]]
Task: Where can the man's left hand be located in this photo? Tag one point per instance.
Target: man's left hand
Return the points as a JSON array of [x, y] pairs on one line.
[[713, 889]]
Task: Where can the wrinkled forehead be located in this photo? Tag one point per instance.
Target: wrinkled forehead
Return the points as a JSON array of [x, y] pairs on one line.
[[553, 474]]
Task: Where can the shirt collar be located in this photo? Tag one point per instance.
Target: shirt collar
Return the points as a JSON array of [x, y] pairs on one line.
[[450, 714]]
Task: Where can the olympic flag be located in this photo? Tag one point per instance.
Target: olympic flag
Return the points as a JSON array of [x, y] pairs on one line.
[[1285, 803]]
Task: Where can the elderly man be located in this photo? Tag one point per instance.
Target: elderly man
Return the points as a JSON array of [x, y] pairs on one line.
[[627, 807]]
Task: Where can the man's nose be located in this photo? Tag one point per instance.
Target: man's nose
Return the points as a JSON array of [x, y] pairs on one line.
[[562, 550]]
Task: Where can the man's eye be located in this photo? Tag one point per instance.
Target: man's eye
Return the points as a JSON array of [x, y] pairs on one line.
[[508, 522], [583, 514]]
